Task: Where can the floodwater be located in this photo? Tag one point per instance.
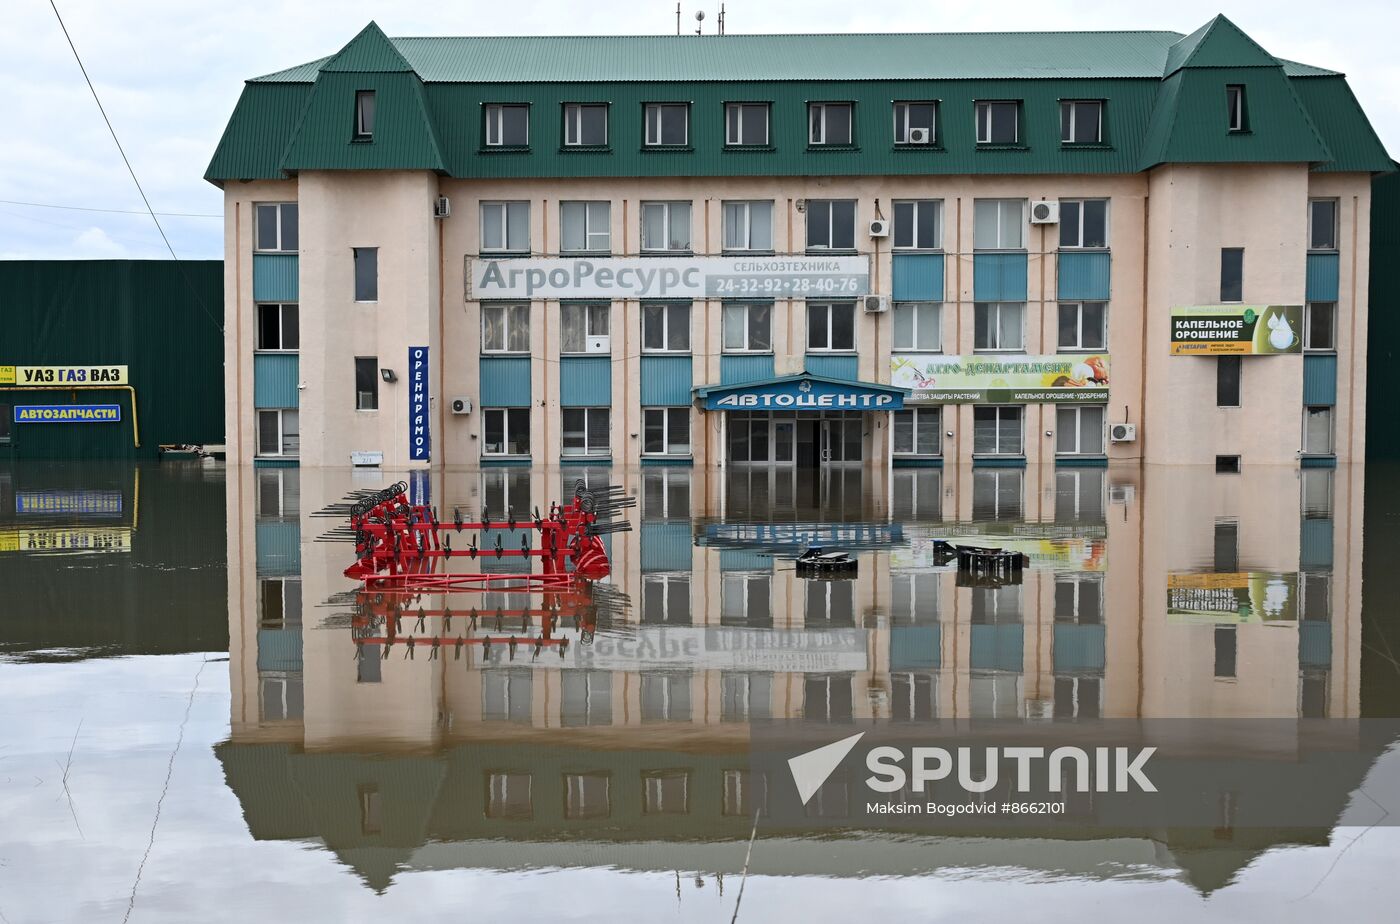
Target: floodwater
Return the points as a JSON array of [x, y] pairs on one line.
[[202, 722]]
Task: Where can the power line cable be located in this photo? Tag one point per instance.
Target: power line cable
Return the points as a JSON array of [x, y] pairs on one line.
[[129, 169], [83, 208]]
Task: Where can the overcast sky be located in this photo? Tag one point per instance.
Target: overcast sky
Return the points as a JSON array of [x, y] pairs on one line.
[[170, 71]]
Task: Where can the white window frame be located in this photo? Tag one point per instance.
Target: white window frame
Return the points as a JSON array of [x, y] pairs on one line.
[[495, 119], [653, 800], [671, 707], [986, 105], [1076, 411], [1089, 483], [828, 321], [1331, 429], [734, 133], [902, 126], [1078, 344], [499, 213], [508, 321], [667, 447], [748, 326], [923, 419], [597, 320], [999, 409], [742, 580], [995, 309], [732, 206], [1006, 600], [1080, 204], [575, 804], [830, 207], [355, 275], [1308, 310], [658, 483], [1336, 221], [816, 124], [666, 580], [281, 327], [374, 395], [589, 449], [1071, 105], [259, 245], [667, 316], [590, 216], [573, 125], [1001, 224], [281, 452], [364, 126], [506, 434], [913, 208], [653, 140], [917, 310], [668, 211], [1236, 115]]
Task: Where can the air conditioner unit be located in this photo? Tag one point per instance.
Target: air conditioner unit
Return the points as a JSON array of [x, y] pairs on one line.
[[442, 207], [461, 405], [920, 136], [596, 344], [1122, 493], [879, 228], [1122, 432], [876, 304], [1045, 213]]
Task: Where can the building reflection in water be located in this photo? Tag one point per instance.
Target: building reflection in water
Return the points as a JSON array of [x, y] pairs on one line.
[[1151, 593]]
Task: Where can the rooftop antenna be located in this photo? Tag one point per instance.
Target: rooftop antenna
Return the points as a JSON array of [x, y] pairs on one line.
[[678, 17], [720, 24], [699, 18]]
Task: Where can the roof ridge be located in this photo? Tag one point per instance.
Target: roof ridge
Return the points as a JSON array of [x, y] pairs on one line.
[[740, 35]]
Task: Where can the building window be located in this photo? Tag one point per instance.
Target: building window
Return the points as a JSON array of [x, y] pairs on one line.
[[1232, 274], [746, 599], [279, 433], [997, 495], [583, 328], [506, 695], [999, 224], [918, 494], [998, 122], [586, 430], [831, 327], [505, 328], [915, 123], [366, 383], [916, 432], [505, 227], [505, 489], [275, 227], [666, 493], [748, 328], [586, 795], [366, 274], [666, 431], [279, 603], [507, 125], [509, 796], [586, 698], [998, 326], [827, 698], [1083, 223], [279, 493], [996, 430], [505, 431], [829, 124], [278, 327], [1079, 430], [831, 224], [746, 124], [1235, 104], [364, 115], [1079, 495], [666, 226], [1322, 224], [665, 696], [1226, 643], [914, 598], [1321, 326], [666, 599], [1226, 547], [830, 604], [748, 225], [913, 697], [1317, 431], [745, 794], [664, 792], [584, 227], [745, 696], [1081, 121], [666, 328], [918, 224], [918, 326], [585, 125], [1083, 326], [668, 125], [1227, 381]]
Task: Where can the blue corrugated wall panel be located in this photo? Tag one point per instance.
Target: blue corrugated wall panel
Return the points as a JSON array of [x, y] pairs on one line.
[[667, 546], [998, 648], [505, 381], [838, 367], [1323, 271], [585, 381], [1314, 643], [999, 277], [275, 277], [1078, 648], [1084, 275], [279, 649], [279, 548], [1315, 541], [741, 367], [1320, 378], [275, 377], [666, 381], [918, 277], [914, 648]]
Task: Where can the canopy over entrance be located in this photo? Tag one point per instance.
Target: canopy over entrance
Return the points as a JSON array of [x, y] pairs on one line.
[[802, 392]]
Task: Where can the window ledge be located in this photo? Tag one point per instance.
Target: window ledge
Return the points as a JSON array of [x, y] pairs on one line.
[[586, 149], [1085, 146], [502, 254], [667, 253], [930, 251], [820, 352], [585, 460], [495, 354], [262, 352], [667, 149], [750, 148], [574, 354], [831, 251], [367, 139], [746, 353], [668, 352], [833, 148], [295, 252], [585, 253], [1064, 249], [749, 253], [918, 148], [504, 149], [916, 350], [1003, 147]]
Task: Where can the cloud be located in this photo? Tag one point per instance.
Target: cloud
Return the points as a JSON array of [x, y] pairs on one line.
[[94, 244]]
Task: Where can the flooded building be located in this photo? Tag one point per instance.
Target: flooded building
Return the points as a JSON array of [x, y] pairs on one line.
[[798, 250]]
